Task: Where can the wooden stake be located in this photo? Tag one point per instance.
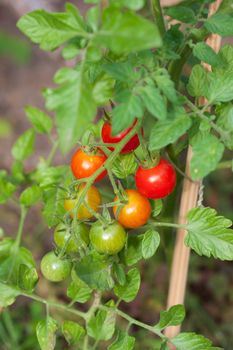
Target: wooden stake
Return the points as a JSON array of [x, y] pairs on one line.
[[189, 197]]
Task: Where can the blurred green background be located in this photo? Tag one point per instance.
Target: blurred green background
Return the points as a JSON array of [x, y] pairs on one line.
[[24, 71]]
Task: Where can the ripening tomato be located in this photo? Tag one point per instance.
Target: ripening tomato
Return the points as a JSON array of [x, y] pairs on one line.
[[62, 234], [136, 212], [156, 182], [107, 239], [54, 268], [107, 137], [84, 164], [92, 198]]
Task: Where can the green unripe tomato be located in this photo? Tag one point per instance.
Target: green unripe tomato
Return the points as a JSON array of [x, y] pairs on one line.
[[55, 269], [62, 234], [107, 239]]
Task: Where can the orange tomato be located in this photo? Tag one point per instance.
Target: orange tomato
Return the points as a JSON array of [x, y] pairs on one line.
[[84, 164], [136, 212], [92, 198]]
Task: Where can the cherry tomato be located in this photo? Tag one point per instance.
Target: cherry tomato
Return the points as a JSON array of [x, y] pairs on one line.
[[107, 137], [84, 164], [136, 212], [62, 234], [92, 198], [55, 269], [156, 182], [107, 240]]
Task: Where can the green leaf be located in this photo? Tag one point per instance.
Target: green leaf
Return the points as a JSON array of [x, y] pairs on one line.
[[198, 82], [154, 102], [6, 188], [28, 278], [165, 84], [40, 120], [121, 71], [24, 146], [119, 273], [124, 32], [209, 234], [124, 166], [30, 196], [168, 131], [102, 325], [53, 206], [172, 317], [78, 291], [129, 290], [132, 252], [95, 271], [123, 342], [182, 14], [72, 332], [191, 341], [221, 24], [157, 207], [46, 333], [124, 114], [220, 86], [150, 243], [130, 4], [74, 105], [70, 51], [206, 54], [202, 163], [11, 259], [50, 30], [8, 294], [47, 177], [103, 90]]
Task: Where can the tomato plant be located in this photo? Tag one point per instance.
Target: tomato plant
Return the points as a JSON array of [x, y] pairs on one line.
[[135, 212], [147, 69], [156, 182]]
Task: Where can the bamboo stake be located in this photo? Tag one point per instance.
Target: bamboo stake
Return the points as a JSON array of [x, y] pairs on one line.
[[189, 198]]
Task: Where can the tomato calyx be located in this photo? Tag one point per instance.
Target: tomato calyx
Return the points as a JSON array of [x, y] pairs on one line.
[[151, 161]]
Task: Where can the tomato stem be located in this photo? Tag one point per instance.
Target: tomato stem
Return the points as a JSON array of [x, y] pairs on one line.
[[158, 15]]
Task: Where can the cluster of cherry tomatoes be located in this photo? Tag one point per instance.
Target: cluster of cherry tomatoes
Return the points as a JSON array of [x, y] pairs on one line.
[[131, 210]]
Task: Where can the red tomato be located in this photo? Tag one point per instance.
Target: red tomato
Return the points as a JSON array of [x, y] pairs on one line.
[[85, 164], [156, 182], [136, 212], [107, 137]]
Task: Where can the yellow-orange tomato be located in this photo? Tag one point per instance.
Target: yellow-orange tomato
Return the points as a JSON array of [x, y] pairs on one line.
[[136, 212], [92, 198]]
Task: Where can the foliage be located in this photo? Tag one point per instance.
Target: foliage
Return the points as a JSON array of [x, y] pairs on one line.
[[128, 62]]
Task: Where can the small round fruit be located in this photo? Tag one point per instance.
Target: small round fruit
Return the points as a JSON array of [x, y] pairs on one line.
[[62, 234], [107, 137], [107, 240], [84, 164], [136, 212], [157, 182], [55, 269], [92, 198]]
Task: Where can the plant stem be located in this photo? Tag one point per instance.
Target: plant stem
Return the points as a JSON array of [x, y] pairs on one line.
[[113, 183], [165, 224], [225, 165], [157, 11], [20, 228], [52, 152], [54, 304], [131, 320]]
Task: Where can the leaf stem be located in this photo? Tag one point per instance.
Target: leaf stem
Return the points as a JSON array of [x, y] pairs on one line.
[[225, 165], [157, 11], [52, 152], [166, 224], [20, 228]]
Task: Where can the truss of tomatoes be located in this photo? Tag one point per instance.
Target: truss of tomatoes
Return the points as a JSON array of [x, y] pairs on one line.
[[153, 182]]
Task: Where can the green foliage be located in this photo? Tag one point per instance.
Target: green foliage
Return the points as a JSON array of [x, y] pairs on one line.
[[45, 331], [124, 166], [102, 325], [40, 120], [129, 290], [8, 294], [123, 341], [209, 234], [150, 243], [193, 341], [172, 317], [72, 332], [24, 146]]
